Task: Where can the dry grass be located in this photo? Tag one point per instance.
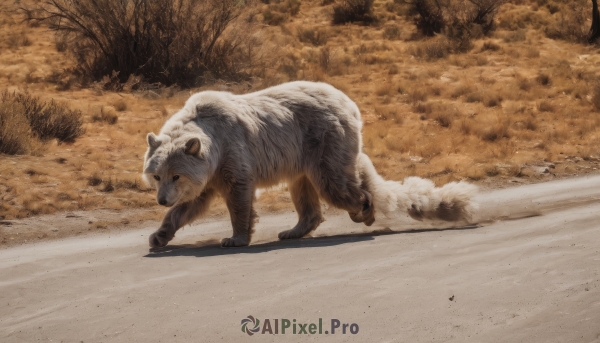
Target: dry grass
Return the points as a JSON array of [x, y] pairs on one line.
[[27, 122], [515, 100]]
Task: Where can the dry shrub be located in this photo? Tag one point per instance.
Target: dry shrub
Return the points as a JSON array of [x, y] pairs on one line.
[[279, 11], [25, 120], [16, 137], [474, 97], [431, 49], [61, 43], [571, 22], [273, 18], [490, 46], [425, 108], [444, 119], [515, 36], [94, 180], [530, 124], [417, 95], [491, 100], [106, 115], [120, 105], [496, 131], [384, 88], [17, 39], [349, 11], [459, 20], [162, 40], [461, 90], [392, 32], [524, 83], [312, 35], [532, 52], [544, 79], [325, 58], [546, 106]]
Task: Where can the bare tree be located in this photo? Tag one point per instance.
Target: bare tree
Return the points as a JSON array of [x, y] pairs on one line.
[[595, 29]]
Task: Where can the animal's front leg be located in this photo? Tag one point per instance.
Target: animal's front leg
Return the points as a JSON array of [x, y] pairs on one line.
[[239, 203], [178, 216]]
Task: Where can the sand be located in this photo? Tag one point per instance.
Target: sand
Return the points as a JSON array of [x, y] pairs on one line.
[[529, 271]]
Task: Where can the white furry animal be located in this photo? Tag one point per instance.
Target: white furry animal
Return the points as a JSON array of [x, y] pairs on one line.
[[307, 134]]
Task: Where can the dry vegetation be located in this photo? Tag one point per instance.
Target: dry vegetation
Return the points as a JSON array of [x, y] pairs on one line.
[[519, 101]]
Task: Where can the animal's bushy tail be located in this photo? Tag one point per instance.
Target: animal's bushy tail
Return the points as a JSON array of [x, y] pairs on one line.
[[419, 197]]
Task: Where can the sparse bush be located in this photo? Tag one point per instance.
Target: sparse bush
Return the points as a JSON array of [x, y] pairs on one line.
[[491, 100], [496, 131], [349, 11], [273, 18], [532, 52], [524, 84], [546, 106], [543, 79], [431, 49], [162, 40], [94, 180], [460, 90], [473, 97], [383, 88], [60, 42], [280, 11], [530, 124], [120, 105], [460, 20], [26, 121], [17, 39], [313, 36], [490, 46], [443, 118], [515, 36], [106, 115], [570, 23], [425, 108], [391, 32]]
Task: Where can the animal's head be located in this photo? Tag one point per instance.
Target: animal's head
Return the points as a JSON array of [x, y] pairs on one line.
[[177, 167]]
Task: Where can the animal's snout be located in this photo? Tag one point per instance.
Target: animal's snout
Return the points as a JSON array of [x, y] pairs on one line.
[[162, 202]]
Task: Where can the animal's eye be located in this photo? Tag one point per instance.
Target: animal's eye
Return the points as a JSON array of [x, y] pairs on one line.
[[156, 177], [176, 177]]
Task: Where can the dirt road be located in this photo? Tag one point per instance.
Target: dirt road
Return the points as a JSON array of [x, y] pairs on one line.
[[530, 271]]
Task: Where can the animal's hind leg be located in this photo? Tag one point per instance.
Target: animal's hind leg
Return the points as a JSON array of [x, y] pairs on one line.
[[341, 188], [306, 201]]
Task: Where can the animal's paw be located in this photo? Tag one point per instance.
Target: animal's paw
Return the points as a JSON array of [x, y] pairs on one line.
[[291, 234], [367, 214], [235, 241], [160, 239]]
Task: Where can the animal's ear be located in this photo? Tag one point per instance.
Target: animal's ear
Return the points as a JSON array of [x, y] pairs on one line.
[[153, 141], [192, 147]]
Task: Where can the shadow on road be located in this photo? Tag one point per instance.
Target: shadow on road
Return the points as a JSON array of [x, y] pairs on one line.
[[213, 247]]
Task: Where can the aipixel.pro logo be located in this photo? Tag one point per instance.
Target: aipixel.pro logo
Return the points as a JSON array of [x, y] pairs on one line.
[[251, 325]]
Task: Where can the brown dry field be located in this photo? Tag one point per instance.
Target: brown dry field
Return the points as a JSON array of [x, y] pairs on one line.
[[517, 108]]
